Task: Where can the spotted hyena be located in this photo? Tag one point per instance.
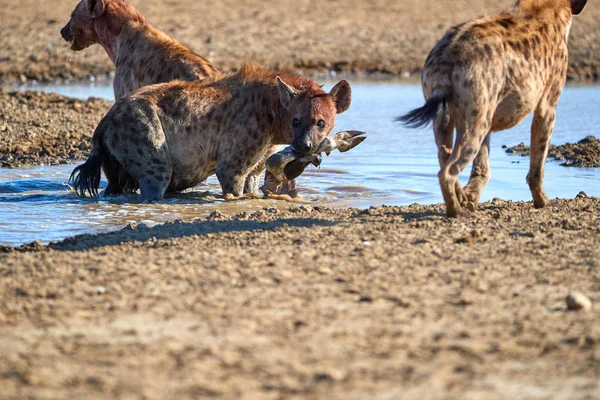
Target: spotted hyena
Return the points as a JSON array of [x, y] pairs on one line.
[[487, 75], [172, 136], [142, 54]]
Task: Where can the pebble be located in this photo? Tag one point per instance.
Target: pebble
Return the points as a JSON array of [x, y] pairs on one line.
[[578, 301]]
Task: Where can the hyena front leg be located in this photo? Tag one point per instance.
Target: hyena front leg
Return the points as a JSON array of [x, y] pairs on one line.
[[541, 133], [232, 176], [252, 184]]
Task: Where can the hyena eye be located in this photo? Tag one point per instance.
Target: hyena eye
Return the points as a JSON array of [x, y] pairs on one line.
[[321, 124], [296, 123]]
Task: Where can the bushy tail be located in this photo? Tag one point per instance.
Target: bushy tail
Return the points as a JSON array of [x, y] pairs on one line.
[[438, 103], [86, 177]]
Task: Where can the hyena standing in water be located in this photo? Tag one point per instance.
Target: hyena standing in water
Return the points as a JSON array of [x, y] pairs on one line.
[[191, 130], [487, 75], [142, 54]]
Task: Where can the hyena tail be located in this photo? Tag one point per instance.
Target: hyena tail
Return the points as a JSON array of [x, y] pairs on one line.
[[437, 104], [86, 177]]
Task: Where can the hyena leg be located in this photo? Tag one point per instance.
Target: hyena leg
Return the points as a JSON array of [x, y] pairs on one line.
[[141, 151], [541, 133], [154, 176], [468, 142], [111, 169], [119, 180], [252, 184], [232, 177], [443, 129], [480, 174]]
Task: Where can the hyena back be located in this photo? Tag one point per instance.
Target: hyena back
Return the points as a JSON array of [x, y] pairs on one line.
[[487, 75], [169, 137]]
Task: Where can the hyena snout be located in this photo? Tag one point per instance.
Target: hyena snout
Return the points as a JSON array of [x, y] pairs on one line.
[[66, 33], [303, 144]]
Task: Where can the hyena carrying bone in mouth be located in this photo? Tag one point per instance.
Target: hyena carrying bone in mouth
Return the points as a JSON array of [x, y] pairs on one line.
[[169, 137], [285, 166], [142, 54], [487, 75]]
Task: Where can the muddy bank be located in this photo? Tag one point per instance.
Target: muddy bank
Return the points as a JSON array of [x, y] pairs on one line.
[[38, 128], [583, 154], [311, 303], [384, 36]]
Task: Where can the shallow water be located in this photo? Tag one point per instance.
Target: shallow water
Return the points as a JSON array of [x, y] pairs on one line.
[[394, 166]]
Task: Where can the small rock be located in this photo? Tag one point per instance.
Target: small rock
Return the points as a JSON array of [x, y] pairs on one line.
[[215, 216], [101, 290], [582, 195], [307, 209], [578, 301]]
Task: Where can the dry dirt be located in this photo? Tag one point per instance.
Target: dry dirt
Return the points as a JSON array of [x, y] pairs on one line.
[[38, 128], [583, 154], [376, 36], [385, 303]]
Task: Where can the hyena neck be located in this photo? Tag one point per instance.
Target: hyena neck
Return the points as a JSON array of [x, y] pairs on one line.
[[108, 39], [118, 27], [273, 118]]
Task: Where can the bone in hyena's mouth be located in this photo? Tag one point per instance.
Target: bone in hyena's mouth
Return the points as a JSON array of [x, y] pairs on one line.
[[288, 164]]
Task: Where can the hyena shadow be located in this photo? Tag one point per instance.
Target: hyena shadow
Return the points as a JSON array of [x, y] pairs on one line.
[[178, 230]]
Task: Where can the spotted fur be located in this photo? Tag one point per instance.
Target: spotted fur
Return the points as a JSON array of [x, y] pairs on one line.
[[172, 136], [142, 54], [487, 75]]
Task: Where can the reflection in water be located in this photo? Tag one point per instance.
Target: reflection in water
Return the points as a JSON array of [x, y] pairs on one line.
[[394, 166]]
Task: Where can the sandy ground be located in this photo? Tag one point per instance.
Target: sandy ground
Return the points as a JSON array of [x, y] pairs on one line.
[[310, 303], [385, 303], [377, 36], [38, 128]]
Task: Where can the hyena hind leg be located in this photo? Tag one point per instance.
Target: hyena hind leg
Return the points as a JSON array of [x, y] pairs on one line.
[[480, 174], [443, 130]]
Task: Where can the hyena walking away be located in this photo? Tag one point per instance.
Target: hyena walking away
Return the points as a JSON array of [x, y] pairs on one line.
[[142, 54], [487, 75], [170, 137]]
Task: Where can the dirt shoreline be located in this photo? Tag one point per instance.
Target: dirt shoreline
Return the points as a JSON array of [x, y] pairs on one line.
[[376, 37], [38, 128], [384, 303], [583, 154]]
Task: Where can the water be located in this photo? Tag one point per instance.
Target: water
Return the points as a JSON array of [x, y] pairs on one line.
[[394, 166]]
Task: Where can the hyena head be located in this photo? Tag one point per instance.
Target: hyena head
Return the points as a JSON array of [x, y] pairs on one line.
[[312, 116], [79, 31], [576, 6]]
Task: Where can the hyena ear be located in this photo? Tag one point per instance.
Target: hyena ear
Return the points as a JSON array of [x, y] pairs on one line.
[[286, 93], [342, 96], [577, 6], [96, 7]]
